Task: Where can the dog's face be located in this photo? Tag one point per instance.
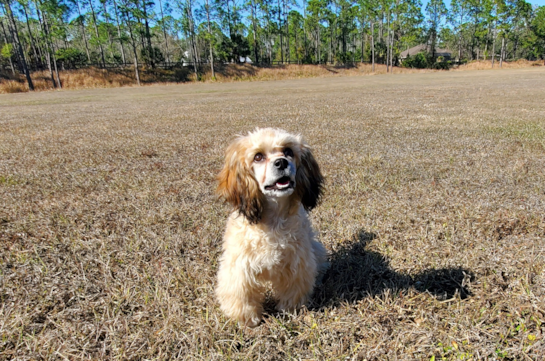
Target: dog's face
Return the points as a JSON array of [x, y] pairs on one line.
[[269, 163], [274, 168]]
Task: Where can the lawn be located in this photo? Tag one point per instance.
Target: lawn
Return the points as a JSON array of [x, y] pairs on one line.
[[434, 217]]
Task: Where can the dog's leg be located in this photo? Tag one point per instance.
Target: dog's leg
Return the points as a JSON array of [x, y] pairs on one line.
[[321, 260], [240, 298], [293, 287]]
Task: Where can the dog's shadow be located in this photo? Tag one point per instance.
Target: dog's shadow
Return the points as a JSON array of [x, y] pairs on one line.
[[356, 273]]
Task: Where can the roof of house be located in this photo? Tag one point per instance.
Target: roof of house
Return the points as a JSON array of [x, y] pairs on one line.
[[423, 47]]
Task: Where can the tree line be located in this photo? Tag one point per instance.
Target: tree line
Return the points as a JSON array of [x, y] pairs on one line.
[[61, 34]]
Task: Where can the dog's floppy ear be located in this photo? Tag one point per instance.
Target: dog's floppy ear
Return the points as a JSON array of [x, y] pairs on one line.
[[238, 186], [309, 179]]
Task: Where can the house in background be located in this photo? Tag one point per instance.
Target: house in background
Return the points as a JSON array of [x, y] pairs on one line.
[[245, 59], [446, 54]]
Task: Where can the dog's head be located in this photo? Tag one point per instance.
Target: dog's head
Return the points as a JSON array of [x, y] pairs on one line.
[[269, 163]]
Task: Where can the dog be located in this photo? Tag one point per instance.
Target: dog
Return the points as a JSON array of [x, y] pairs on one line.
[[272, 180]]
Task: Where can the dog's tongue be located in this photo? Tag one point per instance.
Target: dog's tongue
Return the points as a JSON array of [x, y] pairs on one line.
[[283, 183]]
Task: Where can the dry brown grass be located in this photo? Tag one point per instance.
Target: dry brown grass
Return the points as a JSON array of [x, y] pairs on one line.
[[112, 78], [245, 72], [487, 64], [110, 229], [90, 78]]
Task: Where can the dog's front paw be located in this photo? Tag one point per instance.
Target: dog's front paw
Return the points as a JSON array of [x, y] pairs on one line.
[[291, 304], [246, 314], [252, 322], [249, 317]]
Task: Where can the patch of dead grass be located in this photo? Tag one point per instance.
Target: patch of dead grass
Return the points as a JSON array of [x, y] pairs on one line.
[[487, 64], [112, 78], [110, 229]]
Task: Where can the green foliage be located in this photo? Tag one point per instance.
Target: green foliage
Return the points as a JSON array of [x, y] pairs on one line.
[[231, 49], [7, 51], [153, 55], [425, 60], [71, 57], [419, 61], [338, 31], [538, 27]]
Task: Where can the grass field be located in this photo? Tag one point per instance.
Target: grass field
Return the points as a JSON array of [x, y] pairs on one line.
[[434, 212]]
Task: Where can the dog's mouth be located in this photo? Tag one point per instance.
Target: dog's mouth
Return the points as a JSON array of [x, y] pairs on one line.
[[281, 184]]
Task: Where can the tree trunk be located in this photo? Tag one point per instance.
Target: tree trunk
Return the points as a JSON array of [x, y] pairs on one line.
[[502, 51], [8, 40], [151, 53], [305, 35], [330, 42], [56, 70], [494, 46], [136, 71], [119, 34], [106, 16], [47, 47], [189, 10], [280, 27], [50, 68], [392, 52], [362, 41], [32, 43], [15, 37], [388, 44], [135, 54], [253, 9], [318, 43], [373, 46], [210, 43], [296, 43], [96, 33], [84, 33], [288, 55], [165, 31], [52, 50]]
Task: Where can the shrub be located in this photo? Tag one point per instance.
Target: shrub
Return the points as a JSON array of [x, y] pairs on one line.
[[71, 57], [419, 61], [152, 55], [424, 60], [6, 53]]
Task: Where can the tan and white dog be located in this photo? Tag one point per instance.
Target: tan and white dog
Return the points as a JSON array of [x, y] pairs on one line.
[[271, 179]]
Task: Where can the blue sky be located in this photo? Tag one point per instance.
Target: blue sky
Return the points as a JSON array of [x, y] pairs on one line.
[[533, 2], [447, 2]]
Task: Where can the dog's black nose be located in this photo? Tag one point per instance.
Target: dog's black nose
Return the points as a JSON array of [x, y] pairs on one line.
[[281, 163]]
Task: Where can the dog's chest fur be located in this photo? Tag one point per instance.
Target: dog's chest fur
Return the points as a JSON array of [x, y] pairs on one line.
[[270, 249]]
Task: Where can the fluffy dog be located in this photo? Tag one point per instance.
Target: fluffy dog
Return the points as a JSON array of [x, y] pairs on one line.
[[271, 179]]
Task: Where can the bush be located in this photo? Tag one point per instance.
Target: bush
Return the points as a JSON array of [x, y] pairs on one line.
[[6, 53], [71, 57], [153, 55], [442, 65], [424, 60], [419, 61], [232, 48]]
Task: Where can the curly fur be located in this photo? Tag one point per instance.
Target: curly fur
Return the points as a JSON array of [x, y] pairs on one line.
[[268, 240]]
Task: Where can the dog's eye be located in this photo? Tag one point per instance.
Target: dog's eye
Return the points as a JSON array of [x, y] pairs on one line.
[[288, 152], [258, 157]]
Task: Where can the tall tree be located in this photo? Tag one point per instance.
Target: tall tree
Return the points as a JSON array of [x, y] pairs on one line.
[[97, 36], [128, 10], [436, 12], [12, 24]]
